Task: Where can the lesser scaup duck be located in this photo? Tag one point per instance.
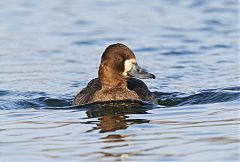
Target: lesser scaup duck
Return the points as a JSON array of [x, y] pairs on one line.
[[117, 78]]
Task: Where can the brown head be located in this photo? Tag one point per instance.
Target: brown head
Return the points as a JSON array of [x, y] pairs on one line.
[[118, 63]]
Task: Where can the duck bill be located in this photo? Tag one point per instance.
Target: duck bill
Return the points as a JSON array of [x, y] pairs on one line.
[[138, 72]]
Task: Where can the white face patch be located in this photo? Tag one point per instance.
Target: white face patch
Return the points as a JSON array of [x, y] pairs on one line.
[[128, 65]]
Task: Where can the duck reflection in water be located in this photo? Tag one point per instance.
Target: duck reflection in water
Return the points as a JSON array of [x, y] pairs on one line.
[[112, 123], [113, 116]]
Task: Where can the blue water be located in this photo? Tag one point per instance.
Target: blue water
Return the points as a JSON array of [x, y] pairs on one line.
[[49, 50]]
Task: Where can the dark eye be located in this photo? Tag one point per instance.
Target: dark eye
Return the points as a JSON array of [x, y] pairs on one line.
[[119, 59]]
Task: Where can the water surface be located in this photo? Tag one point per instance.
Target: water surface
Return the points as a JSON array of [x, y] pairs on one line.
[[49, 50]]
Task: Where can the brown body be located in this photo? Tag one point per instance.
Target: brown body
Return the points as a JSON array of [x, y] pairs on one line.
[[114, 81], [135, 89]]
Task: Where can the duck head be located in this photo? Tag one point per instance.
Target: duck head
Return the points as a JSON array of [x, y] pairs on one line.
[[118, 63]]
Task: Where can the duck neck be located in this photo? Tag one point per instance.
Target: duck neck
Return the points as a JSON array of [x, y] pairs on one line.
[[109, 79]]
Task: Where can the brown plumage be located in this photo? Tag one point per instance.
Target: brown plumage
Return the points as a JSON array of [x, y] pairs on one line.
[[115, 79]]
